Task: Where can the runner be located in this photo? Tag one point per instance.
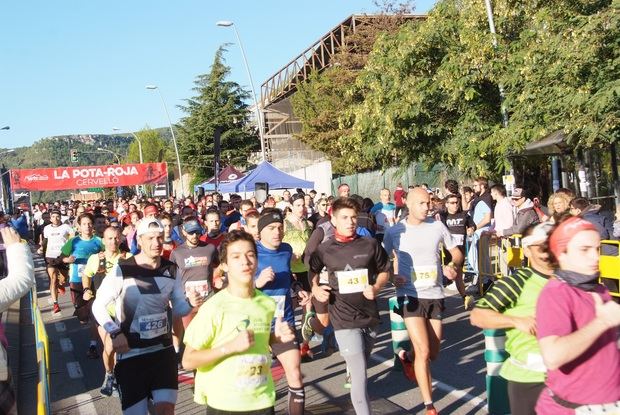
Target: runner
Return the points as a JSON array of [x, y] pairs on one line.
[[169, 244], [214, 234], [460, 224], [228, 340], [415, 245], [55, 235], [196, 263], [511, 304], [140, 288], [96, 269], [251, 226], [297, 230], [577, 327], [76, 252], [357, 269], [244, 207], [273, 277], [320, 215]]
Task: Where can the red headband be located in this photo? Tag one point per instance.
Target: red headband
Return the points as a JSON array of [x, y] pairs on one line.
[[561, 236]]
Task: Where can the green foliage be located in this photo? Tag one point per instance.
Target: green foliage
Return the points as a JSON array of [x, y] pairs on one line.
[[154, 148], [218, 103], [430, 91]]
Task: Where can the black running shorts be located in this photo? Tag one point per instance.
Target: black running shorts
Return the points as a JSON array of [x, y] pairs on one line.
[[431, 309], [138, 376]]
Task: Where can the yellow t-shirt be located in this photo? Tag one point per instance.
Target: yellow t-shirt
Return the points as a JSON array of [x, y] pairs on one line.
[[239, 382]]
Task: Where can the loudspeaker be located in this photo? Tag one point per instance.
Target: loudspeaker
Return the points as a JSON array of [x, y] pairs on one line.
[[261, 190], [201, 192]]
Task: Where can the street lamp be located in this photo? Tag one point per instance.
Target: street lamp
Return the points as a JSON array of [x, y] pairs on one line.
[[259, 120], [118, 159], [6, 127], [137, 139], [174, 139]]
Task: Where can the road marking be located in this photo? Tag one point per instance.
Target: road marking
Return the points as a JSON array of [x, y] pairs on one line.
[[74, 369], [457, 394], [84, 404], [60, 327], [66, 345]]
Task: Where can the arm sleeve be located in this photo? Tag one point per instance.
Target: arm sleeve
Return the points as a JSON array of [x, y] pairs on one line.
[[180, 306], [20, 278], [553, 316], [109, 292], [503, 294], [313, 243]]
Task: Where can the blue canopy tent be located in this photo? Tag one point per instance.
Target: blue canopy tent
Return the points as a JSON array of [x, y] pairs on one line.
[[265, 172]]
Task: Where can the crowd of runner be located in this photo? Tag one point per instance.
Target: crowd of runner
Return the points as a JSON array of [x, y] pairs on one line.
[[213, 285]]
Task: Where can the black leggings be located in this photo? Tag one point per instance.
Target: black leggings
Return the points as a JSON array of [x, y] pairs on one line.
[[523, 397]]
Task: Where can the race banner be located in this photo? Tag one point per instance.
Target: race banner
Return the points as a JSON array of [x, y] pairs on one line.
[[86, 177]]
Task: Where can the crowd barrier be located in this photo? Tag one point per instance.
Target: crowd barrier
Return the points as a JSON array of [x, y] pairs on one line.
[[610, 267], [42, 348]]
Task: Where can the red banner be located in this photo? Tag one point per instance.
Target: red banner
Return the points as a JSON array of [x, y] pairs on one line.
[[85, 177]]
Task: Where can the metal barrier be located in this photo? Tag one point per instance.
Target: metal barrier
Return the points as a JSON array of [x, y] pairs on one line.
[[609, 266], [42, 348], [498, 257]]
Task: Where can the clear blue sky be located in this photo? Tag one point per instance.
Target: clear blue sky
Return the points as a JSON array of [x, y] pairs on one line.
[[76, 67]]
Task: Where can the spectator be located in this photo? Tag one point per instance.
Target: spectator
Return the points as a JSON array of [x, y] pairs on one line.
[[503, 212], [559, 204], [525, 216]]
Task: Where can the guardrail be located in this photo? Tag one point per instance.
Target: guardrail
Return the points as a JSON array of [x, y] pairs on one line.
[[42, 348]]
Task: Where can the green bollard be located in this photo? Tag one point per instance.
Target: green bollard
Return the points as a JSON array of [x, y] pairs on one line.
[[497, 387], [400, 337]]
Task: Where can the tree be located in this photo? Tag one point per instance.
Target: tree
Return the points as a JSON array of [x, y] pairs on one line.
[[154, 148], [218, 103]]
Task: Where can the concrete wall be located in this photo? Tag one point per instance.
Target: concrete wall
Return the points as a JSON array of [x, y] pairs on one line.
[[319, 173]]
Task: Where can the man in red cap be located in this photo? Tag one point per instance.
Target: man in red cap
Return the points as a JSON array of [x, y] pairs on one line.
[[577, 326]]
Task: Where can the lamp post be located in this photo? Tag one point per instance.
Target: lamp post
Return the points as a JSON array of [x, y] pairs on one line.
[[138, 140], [174, 139], [259, 120], [118, 159]]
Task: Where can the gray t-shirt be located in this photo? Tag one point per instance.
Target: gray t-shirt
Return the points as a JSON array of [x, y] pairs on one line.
[[195, 266], [418, 251]]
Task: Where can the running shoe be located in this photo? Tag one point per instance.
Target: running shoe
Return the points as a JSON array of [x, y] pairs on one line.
[[406, 363], [56, 308], [306, 329], [92, 353], [306, 353], [107, 389], [432, 411], [468, 302]]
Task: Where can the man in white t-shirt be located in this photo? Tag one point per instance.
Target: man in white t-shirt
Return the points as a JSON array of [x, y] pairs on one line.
[[55, 235], [415, 244]]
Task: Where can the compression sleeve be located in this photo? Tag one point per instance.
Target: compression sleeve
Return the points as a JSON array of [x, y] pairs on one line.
[[109, 291]]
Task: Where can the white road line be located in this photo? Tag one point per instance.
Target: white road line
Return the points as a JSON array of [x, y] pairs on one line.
[[75, 370], [84, 404], [66, 345], [457, 394], [60, 327]]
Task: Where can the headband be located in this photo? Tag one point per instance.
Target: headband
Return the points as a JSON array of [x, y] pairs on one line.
[[268, 219], [562, 235]]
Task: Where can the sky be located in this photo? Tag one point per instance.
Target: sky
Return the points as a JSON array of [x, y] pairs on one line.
[[81, 67]]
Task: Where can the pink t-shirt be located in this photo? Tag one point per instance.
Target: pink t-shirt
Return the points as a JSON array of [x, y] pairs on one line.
[[592, 378]]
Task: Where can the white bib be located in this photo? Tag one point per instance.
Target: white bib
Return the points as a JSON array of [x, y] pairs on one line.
[[424, 276], [201, 287], [354, 281], [252, 371], [153, 325], [280, 303]]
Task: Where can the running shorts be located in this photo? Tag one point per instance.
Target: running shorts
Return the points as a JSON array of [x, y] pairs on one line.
[[431, 309]]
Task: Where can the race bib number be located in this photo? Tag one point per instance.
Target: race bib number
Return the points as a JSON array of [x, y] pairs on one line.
[[354, 281], [153, 325], [252, 371], [458, 239], [280, 303], [424, 275], [201, 287], [79, 269]]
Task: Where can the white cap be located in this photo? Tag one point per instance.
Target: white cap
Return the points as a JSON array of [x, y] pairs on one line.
[[149, 225], [539, 234]]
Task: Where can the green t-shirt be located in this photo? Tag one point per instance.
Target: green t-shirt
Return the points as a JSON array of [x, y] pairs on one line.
[[516, 295], [297, 239], [239, 382]]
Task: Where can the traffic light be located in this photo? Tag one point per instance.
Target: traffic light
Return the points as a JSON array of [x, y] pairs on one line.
[[74, 156]]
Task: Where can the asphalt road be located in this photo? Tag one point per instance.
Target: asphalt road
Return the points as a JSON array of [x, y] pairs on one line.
[[458, 373]]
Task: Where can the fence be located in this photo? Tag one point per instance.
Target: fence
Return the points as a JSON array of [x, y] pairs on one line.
[[42, 348], [370, 183]]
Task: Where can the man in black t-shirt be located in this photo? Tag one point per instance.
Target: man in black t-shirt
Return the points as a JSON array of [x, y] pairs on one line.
[[357, 269]]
